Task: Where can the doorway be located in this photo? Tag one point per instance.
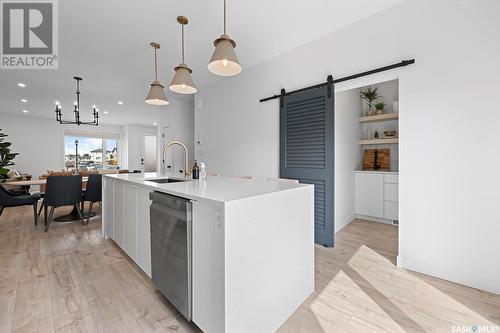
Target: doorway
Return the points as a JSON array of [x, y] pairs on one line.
[[367, 155], [148, 152]]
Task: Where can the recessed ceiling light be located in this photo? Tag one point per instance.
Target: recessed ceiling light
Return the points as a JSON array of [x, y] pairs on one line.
[[25, 111], [24, 100], [22, 85], [105, 112], [154, 124], [120, 102]]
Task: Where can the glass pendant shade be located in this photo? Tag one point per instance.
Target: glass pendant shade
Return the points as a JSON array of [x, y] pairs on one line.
[[156, 94], [224, 61], [182, 83]]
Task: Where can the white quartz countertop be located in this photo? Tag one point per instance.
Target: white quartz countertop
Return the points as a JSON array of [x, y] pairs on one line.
[[215, 188]]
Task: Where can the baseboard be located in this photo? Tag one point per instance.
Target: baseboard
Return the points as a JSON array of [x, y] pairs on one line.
[[460, 277], [345, 222], [374, 219]]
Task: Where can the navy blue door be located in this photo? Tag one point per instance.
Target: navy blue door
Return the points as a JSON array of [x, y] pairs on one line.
[[307, 151]]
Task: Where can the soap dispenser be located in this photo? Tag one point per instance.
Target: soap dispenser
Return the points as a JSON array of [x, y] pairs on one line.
[[196, 170]]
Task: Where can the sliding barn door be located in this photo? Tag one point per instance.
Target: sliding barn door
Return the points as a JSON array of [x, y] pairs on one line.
[[307, 151]]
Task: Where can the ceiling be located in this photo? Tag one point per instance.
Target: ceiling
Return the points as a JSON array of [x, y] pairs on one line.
[[107, 42]]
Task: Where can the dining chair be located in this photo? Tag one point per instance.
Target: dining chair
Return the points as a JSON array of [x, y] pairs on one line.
[[92, 193], [53, 173], [62, 191], [9, 200], [283, 180]]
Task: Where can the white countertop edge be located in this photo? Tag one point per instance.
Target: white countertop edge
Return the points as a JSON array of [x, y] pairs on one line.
[[377, 171], [177, 190]]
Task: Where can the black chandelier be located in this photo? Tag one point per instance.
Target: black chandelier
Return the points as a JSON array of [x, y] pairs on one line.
[[77, 121]]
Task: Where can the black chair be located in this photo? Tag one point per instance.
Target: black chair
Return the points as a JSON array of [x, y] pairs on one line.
[[93, 192], [22, 190], [9, 200], [62, 191]]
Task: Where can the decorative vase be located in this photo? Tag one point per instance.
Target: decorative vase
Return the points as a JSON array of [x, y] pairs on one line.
[[379, 112], [370, 112]]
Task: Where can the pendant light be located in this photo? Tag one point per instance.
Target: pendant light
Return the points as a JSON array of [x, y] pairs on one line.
[[156, 94], [224, 61], [182, 82]]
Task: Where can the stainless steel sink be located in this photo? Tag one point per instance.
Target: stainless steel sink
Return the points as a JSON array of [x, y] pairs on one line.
[[167, 180]]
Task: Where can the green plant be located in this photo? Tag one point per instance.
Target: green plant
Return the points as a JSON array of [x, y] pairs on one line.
[[380, 106], [6, 156], [370, 95]]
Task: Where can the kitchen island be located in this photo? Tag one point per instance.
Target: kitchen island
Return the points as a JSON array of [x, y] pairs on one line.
[[251, 244]]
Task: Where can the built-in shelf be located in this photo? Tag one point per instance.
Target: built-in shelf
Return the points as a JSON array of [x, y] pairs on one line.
[[379, 141], [378, 118]]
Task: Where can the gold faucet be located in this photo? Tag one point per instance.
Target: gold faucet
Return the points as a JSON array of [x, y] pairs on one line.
[[186, 163]]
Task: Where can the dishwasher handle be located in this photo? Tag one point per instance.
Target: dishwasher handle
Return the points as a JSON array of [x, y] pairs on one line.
[[168, 200]]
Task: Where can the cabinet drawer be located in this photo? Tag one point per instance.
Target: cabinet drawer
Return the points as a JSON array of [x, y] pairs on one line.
[[391, 192], [391, 210], [392, 179], [369, 198]]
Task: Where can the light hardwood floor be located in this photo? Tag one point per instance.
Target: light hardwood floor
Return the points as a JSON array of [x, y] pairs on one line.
[[71, 280]]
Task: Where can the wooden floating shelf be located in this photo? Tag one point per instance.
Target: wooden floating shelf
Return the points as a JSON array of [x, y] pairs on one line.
[[378, 118], [379, 141]]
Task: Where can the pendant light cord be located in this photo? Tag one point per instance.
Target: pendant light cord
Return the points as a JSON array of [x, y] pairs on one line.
[[156, 67], [182, 43], [225, 17]]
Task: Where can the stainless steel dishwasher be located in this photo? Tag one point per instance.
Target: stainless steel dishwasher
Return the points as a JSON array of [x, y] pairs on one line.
[[171, 234]]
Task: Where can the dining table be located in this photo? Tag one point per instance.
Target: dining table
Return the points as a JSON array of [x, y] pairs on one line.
[[65, 218], [37, 182]]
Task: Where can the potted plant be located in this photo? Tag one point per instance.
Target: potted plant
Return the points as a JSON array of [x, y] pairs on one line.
[[6, 157], [380, 107], [370, 95]]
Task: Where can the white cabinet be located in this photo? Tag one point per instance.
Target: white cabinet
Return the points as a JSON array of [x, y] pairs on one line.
[[391, 210], [126, 219], [391, 197], [130, 219], [391, 192], [107, 190], [118, 218], [143, 230], [377, 195], [369, 189]]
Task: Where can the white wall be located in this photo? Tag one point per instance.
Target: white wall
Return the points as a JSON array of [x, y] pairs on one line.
[[39, 142], [132, 160], [347, 154], [180, 115], [449, 194]]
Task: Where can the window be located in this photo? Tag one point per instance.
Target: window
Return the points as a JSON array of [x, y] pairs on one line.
[[96, 151]]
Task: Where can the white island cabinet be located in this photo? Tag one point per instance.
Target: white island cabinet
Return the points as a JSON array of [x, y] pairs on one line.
[[252, 245]]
